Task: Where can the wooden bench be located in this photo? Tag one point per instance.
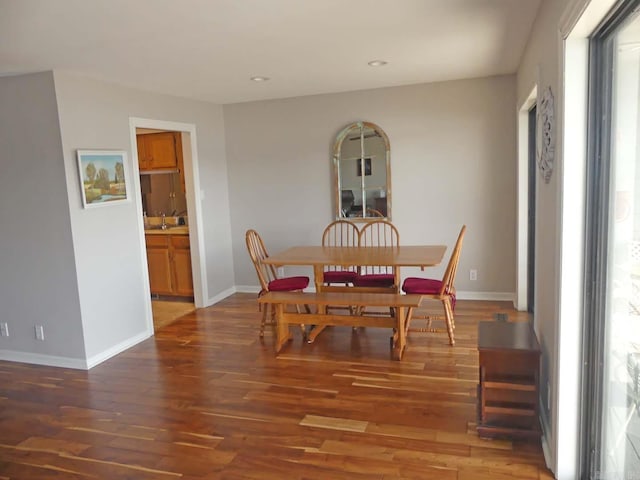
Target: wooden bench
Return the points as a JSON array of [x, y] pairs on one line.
[[402, 305]]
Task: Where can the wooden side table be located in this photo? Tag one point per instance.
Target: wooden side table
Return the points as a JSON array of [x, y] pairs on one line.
[[509, 380]]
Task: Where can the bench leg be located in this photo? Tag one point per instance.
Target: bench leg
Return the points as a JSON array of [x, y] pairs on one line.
[[314, 332], [282, 328], [317, 329]]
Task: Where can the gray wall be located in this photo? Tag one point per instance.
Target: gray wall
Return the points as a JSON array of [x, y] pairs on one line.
[[453, 161], [37, 270], [108, 255]]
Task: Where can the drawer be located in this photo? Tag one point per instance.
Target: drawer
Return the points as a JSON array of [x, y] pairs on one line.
[[180, 241], [157, 241]]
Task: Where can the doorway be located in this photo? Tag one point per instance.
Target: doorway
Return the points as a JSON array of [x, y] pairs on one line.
[[164, 205], [531, 214], [525, 294], [185, 250]]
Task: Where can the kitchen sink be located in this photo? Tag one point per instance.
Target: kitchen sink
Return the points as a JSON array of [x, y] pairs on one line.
[[159, 227]]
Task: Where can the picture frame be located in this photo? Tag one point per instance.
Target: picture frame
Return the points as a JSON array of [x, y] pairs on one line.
[[367, 167], [104, 178]]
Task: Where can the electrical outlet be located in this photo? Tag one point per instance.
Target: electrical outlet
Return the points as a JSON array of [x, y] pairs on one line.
[[473, 274], [4, 329], [39, 332]]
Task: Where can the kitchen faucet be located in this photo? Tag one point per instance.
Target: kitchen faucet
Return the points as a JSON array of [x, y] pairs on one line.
[[164, 225]]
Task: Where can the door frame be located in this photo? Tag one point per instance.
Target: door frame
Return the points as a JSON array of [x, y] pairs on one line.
[[194, 208], [532, 184], [522, 247]]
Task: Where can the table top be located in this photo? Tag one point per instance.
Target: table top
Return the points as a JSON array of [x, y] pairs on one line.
[[399, 256], [507, 336]]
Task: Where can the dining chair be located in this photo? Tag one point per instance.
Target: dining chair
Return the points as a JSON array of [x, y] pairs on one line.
[[372, 212], [269, 281], [378, 233], [340, 233], [443, 290]]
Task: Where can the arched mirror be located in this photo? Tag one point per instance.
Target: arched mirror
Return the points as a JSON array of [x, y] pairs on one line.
[[362, 171]]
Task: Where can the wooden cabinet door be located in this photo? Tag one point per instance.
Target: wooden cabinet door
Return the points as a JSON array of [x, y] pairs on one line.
[[182, 275], [161, 150], [142, 153], [159, 263], [159, 271]]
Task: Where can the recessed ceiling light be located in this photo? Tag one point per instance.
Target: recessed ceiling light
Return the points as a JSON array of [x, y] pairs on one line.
[[259, 79], [377, 63]]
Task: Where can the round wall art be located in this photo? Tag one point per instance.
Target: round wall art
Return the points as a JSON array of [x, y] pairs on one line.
[[546, 135]]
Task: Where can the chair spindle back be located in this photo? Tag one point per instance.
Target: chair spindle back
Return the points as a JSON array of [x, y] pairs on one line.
[[379, 233], [449, 277], [258, 253]]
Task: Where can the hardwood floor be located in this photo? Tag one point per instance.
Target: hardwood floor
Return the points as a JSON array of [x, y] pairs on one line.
[[206, 399], [165, 312]]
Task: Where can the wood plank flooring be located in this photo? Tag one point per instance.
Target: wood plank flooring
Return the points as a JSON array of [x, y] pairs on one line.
[[165, 312], [207, 399]]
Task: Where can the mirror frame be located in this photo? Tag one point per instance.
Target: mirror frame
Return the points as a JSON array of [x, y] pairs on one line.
[[349, 129]]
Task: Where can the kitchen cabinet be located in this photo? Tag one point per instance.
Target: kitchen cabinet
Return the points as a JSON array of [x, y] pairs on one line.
[[182, 277], [159, 151], [508, 392], [169, 263]]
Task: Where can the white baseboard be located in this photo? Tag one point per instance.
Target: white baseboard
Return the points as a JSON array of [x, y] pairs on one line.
[[116, 349], [222, 295], [489, 296], [76, 363], [546, 430], [39, 359], [250, 289]]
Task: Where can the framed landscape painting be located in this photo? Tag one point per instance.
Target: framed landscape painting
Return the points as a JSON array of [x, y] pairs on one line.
[[103, 176]]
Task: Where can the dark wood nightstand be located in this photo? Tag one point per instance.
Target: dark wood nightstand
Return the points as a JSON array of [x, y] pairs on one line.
[[509, 380]]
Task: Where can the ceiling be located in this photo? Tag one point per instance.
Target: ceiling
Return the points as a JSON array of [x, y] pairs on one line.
[[209, 49]]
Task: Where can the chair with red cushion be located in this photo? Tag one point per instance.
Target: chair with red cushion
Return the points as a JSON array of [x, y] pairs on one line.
[[379, 233], [340, 233], [442, 290], [269, 281]]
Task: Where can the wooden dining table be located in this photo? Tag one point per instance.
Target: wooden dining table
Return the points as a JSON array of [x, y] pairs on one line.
[[318, 257], [321, 256]]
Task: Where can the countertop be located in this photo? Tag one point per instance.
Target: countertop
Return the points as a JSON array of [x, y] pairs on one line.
[[177, 230]]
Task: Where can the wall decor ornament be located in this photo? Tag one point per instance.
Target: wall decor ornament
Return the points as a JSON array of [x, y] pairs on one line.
[[546, 135]]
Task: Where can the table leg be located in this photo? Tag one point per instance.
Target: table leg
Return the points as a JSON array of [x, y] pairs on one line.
[[400, 334], [318, 278]]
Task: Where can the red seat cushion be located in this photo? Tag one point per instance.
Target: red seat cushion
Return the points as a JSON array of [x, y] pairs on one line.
[[339, 276], [424, 286], [375, 280], [288, 284]]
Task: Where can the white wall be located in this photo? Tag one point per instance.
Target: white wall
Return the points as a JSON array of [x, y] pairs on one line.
[[453, 161], [37, 269], [108, 256]]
